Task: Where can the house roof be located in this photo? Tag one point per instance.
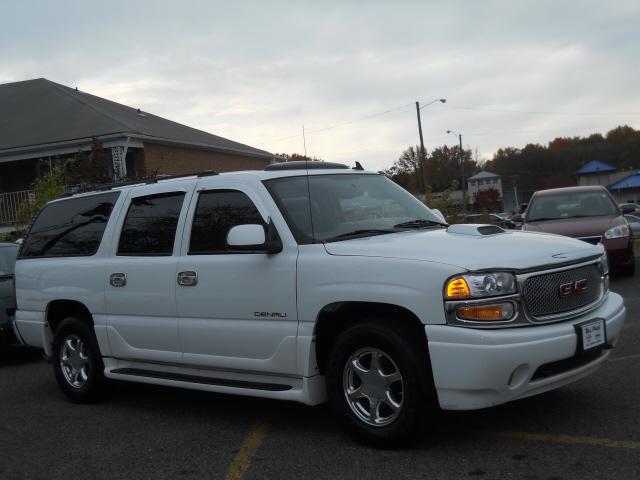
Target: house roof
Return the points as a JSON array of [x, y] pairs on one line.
[[483, 174], [40, 112], [596, 166], [632, 181]]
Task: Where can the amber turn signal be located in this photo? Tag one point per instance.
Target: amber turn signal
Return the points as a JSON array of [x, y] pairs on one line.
[[458, 288], [492, 313]]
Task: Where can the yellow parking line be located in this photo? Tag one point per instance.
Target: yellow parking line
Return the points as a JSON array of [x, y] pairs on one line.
[[242, 460], [569, 439], [626, 357]]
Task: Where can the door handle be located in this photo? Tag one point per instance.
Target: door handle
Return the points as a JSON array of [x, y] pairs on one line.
[[188, 278], [118, 279]]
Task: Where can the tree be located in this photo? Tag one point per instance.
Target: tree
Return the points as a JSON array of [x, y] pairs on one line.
[[47, 188], [488, 199], [92, 168], [297, 157], [404, 170], [443, 166]]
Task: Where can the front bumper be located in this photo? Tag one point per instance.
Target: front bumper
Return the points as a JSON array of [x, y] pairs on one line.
[[475, 368]]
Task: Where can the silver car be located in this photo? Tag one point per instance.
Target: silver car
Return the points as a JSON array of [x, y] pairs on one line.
[[8, 253]]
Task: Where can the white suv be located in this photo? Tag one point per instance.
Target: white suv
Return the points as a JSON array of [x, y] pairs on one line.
[[307, 283]]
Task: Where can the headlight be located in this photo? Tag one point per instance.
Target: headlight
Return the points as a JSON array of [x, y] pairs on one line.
[[604, 264], [479, 285], [617, 232]]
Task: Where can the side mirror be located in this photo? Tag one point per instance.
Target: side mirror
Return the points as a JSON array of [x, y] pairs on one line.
[[246, 237], [626, 209], [255, 238], [518, 217]]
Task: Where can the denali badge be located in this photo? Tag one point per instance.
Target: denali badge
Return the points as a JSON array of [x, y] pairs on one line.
[[573, 288]]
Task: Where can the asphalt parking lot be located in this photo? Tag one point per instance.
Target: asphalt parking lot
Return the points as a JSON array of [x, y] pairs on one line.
[[590, 429]]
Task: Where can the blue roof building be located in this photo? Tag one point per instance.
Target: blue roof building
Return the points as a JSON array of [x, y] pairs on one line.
[[596, 166], [627, 190]]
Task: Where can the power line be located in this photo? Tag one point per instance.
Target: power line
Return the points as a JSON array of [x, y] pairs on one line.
[[533, 112], [337, 125]]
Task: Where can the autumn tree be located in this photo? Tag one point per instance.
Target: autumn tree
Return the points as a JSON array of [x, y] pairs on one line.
[[488, 199], [404, 170]]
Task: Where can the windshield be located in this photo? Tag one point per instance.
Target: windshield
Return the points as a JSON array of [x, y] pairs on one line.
[[571, 205], [8, 255], [344, 206]]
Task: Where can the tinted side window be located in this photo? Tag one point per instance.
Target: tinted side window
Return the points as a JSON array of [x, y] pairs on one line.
[[216, 213], [69, 228], [150, 225]]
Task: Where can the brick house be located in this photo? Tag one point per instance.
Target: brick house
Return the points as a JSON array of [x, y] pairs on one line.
[[41, 121]]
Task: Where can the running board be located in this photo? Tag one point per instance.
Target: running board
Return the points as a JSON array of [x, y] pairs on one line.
[[222, 382]]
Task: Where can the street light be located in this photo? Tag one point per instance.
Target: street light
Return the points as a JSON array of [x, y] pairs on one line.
[[464, 202], [423, 165]]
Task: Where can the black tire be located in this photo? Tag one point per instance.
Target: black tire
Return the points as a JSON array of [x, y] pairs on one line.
[[90, 377], [409, 355]]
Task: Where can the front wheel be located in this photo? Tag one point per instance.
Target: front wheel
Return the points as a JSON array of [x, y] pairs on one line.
[[77, 363], [379, 380]]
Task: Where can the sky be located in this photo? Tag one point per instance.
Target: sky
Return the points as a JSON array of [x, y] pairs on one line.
[[512, 73]]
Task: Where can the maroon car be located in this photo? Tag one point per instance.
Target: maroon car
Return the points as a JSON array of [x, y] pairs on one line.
[[586, 213]]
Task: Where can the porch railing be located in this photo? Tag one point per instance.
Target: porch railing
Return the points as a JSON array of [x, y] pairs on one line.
[[10, 204]]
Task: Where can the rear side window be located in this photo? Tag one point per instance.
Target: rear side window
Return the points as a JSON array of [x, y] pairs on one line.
[[216, 213], [8, 259], [150, 225], [69, 228]]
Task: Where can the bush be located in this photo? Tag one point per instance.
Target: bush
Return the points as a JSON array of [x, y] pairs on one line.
[[47, 188]]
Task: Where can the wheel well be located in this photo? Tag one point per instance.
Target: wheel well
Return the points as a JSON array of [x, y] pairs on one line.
[[337, 317], [58, 310]]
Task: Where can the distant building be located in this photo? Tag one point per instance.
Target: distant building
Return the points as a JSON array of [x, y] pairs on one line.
[[624, 185], [483, 180], [41, 120], [627, 190], [599, 173]]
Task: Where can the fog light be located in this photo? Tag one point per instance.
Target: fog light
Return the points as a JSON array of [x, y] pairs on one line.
[[498, 312]]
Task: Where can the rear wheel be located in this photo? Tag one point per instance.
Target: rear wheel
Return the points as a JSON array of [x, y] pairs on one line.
[[379, 380], [77, 363]]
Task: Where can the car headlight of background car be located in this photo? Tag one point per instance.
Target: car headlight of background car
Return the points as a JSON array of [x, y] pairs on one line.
[[618, 231]]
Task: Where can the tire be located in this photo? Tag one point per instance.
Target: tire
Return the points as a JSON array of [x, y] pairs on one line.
[[77, 363], [403, 383]]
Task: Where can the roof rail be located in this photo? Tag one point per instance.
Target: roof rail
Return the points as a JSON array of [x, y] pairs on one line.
[[110, 186]]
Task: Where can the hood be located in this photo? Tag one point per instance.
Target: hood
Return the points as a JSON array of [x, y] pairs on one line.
[[575, 227], [470, 250]]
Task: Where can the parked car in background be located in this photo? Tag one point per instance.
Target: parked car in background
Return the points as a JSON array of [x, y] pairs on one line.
[[493, 219], [634, 225], [586, 213], [632, 208], [8, 253]]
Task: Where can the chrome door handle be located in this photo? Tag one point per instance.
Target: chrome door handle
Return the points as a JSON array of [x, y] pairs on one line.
[[118, 279], [188, 278]]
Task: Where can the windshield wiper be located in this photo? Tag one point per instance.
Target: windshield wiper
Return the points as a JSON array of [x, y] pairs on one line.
[[360, 233], [419, 223]]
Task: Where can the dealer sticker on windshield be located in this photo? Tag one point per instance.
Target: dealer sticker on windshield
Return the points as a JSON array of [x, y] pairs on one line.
[[592, 334]]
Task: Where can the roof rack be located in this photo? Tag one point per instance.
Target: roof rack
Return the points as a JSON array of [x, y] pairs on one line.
[[110, 186], [305, 165]]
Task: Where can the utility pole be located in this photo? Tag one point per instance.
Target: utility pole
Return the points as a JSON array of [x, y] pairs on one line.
[[515, 191], [421, 160], [464, 201]]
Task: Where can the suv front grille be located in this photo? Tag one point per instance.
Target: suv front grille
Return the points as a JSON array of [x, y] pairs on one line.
[[555, 293]]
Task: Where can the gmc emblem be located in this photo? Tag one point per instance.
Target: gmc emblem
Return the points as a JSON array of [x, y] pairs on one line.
[[573, 288]]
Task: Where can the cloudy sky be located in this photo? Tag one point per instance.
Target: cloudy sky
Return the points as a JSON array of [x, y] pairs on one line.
[[512, 72]]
